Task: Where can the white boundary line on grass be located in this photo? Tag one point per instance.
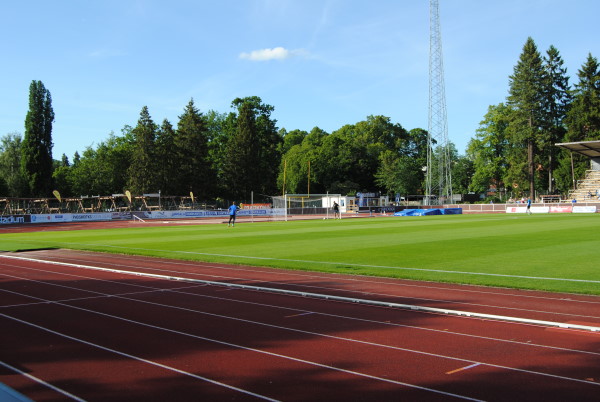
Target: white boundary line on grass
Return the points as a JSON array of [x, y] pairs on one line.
[[323, 296], [334, 263]]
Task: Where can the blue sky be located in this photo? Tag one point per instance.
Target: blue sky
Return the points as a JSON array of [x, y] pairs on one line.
[[322, 63]]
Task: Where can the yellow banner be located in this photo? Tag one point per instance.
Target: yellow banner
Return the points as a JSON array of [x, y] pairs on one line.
[[57, 195]]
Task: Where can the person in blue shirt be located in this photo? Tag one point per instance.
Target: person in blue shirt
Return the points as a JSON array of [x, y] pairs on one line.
[[529, 206], [232, 214]]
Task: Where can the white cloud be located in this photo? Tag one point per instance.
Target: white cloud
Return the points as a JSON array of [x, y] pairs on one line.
[[277, 53]]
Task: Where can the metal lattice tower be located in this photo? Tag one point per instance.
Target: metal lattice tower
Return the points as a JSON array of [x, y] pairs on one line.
[[438, 175]]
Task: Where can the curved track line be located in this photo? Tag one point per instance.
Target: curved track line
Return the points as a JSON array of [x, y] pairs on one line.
[[358, 341], [327, 297], [311, 276], [181, 290]]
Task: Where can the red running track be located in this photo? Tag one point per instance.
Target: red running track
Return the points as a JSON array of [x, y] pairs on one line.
[[70, 332]]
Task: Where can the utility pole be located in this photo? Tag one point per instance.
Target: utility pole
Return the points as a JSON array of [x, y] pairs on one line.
[[438, 174]]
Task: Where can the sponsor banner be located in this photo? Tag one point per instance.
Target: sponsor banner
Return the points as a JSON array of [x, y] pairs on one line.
[[216, 213], [540, 210], [187, 214], [250, 212], [522, 210], [563, 209], [45, 218], [12, 219], [584, 209], [516, 210], [193, 214], [91, 217], [120, 216], [277, 211], [160, 214], [256, 206]]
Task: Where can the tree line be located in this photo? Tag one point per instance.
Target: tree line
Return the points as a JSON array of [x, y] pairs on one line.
[[514, 146], [229, 155]]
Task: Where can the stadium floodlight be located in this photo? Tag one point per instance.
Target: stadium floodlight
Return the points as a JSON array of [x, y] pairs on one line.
[[438, 174]]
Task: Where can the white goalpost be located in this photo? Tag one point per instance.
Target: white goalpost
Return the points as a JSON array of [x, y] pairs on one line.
[[304, 206]]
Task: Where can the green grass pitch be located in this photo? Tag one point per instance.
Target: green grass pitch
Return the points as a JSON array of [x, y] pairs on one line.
[[555, 252]]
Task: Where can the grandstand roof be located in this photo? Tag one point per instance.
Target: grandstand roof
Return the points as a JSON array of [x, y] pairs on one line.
[[590, 149]]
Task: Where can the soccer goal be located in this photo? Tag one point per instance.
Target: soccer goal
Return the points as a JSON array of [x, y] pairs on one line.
[[304, 206]]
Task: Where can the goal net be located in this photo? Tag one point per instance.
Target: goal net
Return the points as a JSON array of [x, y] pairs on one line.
[[304, 206]]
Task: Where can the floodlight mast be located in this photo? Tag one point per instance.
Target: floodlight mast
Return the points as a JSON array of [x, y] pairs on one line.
[[438, 174]]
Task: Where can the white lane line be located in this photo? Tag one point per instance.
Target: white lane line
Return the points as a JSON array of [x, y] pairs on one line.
[[40, 381], [182, 290], [232, 345], [369, 281], [312, 334], [463, 368], [299, 314], [130, 356], [303, 275], [326, 297]]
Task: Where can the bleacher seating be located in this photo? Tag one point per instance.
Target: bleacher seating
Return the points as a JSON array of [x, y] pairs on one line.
[[587, 188]]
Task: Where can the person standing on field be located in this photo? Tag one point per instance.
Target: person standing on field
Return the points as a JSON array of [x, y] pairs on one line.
[[232, 214], [529, 206], [336, 211]]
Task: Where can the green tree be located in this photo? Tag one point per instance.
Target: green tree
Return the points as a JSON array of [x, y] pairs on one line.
[[462, 172], [252, 151], [166, 156], [294, 137], [103, 170], [526, 99], [556, 100], [295, 161], [582, 122], [36, 148], [583, 118], [15, 184], [398, 174], [60, 176], [221, 127], [488, 150], [142, 171], [194, 172], [401, 168], [351, 156], [242, 168]]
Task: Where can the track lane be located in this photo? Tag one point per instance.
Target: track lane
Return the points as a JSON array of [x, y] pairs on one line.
[[424, 370], [219, 357], [507, 302]]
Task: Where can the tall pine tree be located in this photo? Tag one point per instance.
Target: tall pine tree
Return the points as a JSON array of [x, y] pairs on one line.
[[583, 119], [582, 122], [556, 100], [241, 167], [253, 150], [526, 98], [142, 171], [166, 155], [36, 149], [194, 172]]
